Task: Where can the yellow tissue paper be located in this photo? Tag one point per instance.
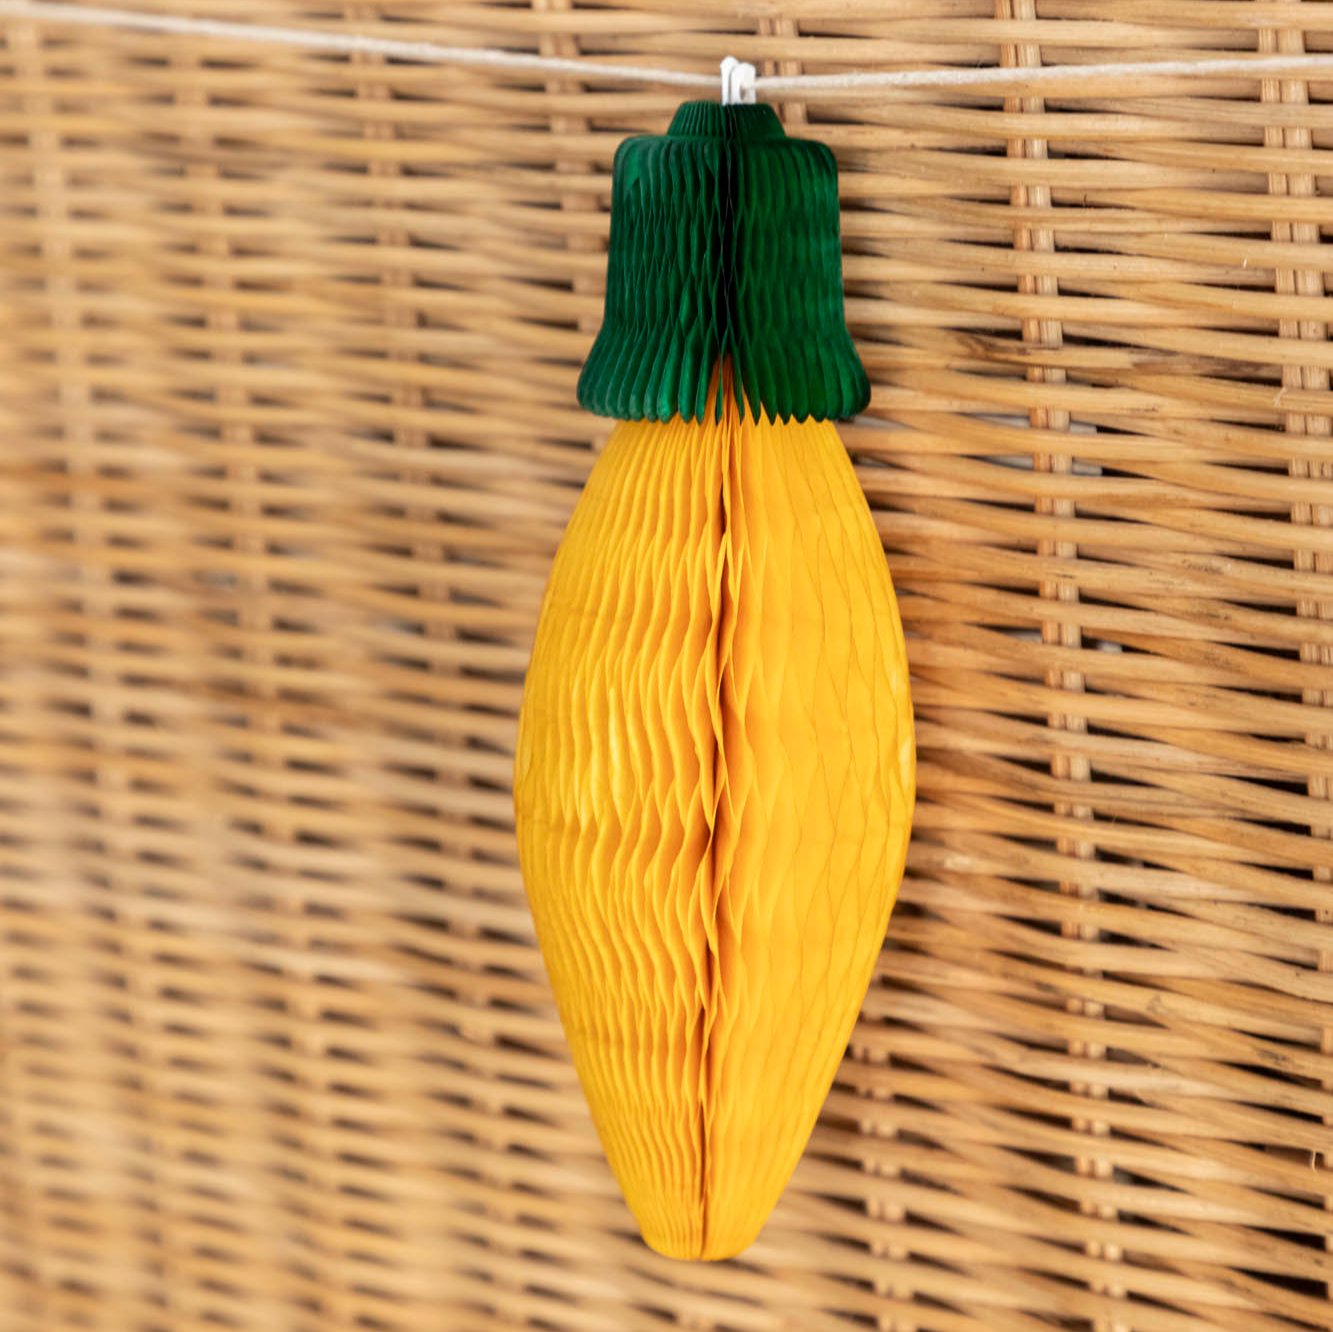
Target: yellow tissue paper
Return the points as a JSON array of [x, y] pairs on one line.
[[713, 790]]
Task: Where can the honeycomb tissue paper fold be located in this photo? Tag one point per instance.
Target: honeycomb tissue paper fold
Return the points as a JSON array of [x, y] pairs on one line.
[[715, 767]]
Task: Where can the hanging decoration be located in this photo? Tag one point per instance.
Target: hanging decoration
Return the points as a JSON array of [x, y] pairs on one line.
[[715, 767]]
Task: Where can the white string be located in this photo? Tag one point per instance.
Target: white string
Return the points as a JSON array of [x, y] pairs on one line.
[[950, 78], [740, 84], [344, 43]]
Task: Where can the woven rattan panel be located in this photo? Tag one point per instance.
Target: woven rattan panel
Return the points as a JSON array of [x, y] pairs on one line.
[[288, 347]]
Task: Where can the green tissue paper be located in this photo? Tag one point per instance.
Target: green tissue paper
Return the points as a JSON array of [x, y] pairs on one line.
[[724, 246]]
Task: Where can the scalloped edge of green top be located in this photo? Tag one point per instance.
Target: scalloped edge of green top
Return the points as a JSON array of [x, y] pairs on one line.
[[724, 248]]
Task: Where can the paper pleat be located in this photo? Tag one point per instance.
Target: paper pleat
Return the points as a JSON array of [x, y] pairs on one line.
[[714, 784]]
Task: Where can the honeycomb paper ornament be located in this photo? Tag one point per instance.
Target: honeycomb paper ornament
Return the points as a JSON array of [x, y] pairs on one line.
[[715, 765]]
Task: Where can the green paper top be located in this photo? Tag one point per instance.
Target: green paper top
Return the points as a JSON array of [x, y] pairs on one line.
[[724, 245]]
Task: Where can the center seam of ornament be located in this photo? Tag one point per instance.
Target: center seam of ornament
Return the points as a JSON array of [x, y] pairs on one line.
[[720, 825]]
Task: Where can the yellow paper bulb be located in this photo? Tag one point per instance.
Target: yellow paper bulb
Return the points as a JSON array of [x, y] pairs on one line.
[[713, 787]]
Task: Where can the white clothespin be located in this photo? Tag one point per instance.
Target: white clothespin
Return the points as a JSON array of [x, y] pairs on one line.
[[737, 81]]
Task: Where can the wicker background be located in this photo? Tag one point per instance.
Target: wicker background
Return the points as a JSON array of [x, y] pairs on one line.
[[287, 354]]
